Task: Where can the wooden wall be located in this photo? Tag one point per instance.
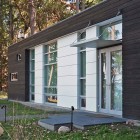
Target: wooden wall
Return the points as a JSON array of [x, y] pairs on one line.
[[131, 60]]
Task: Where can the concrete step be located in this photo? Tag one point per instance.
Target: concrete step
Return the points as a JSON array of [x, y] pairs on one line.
[[80, 120]]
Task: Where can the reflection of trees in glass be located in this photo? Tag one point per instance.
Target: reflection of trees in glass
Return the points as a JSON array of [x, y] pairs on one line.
[[116, 80], [50, 72], [103, 67], [111, 32]]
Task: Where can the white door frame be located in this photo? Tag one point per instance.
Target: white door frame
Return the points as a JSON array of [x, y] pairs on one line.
[[108, 77]]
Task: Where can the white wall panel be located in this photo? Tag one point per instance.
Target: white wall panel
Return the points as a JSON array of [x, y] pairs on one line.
[[91, 32], [69, 91], [39, 74], [66, 40], [67, 60], [66, 51], [91, 91], [67, 80], [91, 104], [91, 55], [67, 70], [66, 101], [91, 80], [91, 68], [39, 98]]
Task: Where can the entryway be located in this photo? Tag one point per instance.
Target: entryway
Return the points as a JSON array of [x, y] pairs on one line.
[[110, 80]]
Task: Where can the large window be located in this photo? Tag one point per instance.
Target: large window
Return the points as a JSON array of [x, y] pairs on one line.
[[82, 78], [32, 74], [50, 73], [111, 31]]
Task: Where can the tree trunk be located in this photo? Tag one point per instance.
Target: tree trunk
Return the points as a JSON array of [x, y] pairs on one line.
[[11, 21], [83, 4], [77, 6], [1, 28], [32, 16]]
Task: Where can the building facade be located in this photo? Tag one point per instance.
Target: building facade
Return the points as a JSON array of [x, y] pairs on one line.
[[89, 61]]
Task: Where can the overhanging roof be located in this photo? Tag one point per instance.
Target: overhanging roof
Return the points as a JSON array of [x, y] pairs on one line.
[[96, 43]]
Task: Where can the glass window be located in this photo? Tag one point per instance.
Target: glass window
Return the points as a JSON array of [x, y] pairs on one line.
[[32, 54], [81, 35], [50, 58], [50, 73], [83, 63], [50, 48], [111, 31], [83, 87], [32, 74], [32, 65], [83, 102], [103, 80], [82, 77]]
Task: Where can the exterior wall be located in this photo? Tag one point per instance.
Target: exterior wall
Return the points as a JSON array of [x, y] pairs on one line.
[[131, 61], [16, 89], [91, 72], [39, 63], [67, 62]]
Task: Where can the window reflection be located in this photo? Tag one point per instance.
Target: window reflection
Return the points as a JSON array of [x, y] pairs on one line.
[[116, 80], [111, 31]]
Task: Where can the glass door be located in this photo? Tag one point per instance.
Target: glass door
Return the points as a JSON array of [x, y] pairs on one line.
[[111, 80]]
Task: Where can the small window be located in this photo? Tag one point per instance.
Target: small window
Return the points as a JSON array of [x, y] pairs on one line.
[[111, 31], [83, 102], [14, 76], [19, 57], [81, 36]]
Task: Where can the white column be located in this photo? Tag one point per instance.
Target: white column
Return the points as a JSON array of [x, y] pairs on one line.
[[39, 64], [67, 72]]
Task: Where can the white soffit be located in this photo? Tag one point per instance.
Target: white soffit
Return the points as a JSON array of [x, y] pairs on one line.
[[96, 43]]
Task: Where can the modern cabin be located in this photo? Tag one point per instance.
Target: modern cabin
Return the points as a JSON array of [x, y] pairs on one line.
[[90, 61]]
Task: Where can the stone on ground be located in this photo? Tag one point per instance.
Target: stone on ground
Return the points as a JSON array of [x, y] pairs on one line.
[[63, 129], [1, 131]]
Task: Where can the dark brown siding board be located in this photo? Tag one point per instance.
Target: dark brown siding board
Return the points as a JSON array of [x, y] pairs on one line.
[[131, 61]]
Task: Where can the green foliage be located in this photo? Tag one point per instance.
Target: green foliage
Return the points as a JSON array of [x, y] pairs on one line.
[[29, 130]]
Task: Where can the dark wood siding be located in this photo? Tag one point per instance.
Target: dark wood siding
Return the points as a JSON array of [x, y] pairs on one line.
[[16, 89], [131, 60], [130, 49]]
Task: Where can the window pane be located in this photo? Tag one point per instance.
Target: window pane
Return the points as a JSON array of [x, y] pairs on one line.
[[32, 78], [49, 48], [32, 65], [83, 102], [51, 99], [50, 58], [111, 32], [83, 64], [32, 89], [51, 75], [32, 97], [50, 90], [83, 87], [116, 80], [103, 80], [81, 35], [32, 54]]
